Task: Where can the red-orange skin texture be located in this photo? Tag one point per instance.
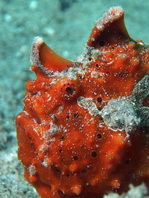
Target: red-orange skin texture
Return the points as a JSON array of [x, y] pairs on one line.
[[80, 157]]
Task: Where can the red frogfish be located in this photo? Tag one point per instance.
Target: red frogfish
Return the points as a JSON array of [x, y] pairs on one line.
[[84, 129]]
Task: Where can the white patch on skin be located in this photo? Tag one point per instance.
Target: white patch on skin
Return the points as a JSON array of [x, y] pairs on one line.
[[60, 110], [95, 74], [32, 170], [89, 52], [112, 15], [70, 73], [47, 162], [36, 129], [120, 114], [34, 59], [87, 103], [134, 191], [128, 113], [44, 148], [95, 53], [49, 98], [49, 133]]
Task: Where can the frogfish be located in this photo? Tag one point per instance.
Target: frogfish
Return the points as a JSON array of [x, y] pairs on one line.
[[84, 129]]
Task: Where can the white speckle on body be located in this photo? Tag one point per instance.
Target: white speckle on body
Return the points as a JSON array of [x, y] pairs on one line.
[[51, 132], [95, 74], [32, 170], [88, 103]]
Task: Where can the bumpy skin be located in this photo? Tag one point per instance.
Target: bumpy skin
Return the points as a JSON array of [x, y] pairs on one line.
[[84, 128]]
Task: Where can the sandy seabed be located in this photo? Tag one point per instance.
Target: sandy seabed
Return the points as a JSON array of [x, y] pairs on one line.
[[65, 26]]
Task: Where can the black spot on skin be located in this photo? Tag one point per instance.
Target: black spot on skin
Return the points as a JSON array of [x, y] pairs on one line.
[[67, 118], [94, 154], [121, 74], [76, 115], [101, 119], [83, 171], [69, 90], [57, 170], [101, 43], [99, 136], [107, 73], [99, 100], [62, 137], [127, 161], [99, 108], [75, 158], [68, 175]]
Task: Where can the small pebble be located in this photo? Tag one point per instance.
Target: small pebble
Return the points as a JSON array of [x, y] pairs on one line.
[[33, 5]]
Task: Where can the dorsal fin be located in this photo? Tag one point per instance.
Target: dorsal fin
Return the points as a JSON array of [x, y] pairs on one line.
[[45, 58], [110, 28]]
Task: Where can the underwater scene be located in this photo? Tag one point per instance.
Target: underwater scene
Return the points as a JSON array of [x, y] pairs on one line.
[[74, 102]]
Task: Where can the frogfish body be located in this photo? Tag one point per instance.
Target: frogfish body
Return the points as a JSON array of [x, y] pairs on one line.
[[84, 130]]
